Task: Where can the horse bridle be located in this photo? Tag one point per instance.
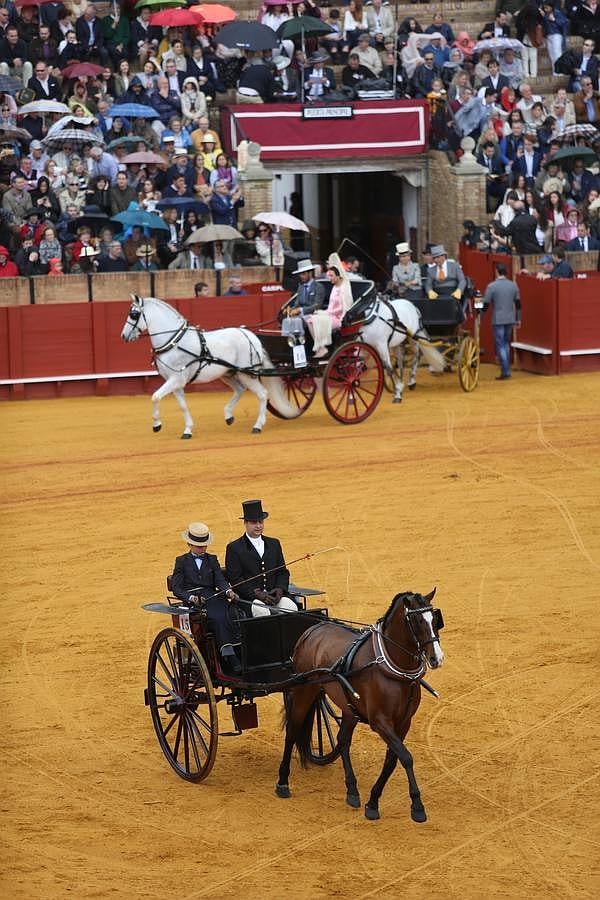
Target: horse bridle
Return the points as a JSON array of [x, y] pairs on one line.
[[136, 312], [436, 624]]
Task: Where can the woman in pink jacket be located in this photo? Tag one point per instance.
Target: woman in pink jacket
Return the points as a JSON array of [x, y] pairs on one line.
[[323, 321]]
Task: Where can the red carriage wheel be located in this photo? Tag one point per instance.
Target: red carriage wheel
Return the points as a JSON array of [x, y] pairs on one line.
[[300, 392], [182, 703], [352, 383]]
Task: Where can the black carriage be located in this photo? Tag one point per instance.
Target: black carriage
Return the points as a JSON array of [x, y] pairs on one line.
[[186, 682], [351, 375]]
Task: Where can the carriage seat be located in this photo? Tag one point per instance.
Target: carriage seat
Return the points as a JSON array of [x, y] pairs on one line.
[[445, 312]]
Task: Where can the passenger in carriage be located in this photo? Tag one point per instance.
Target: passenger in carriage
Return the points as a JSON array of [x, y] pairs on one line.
[[255, 565], [197, 574], [406, 274], [445, 277], [323, 321]]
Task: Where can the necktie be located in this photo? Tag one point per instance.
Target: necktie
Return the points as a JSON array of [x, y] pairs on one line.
[[441, 275], [582, 242]]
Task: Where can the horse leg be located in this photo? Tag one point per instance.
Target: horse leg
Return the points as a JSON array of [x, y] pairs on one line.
[[344, 740], [299, 703], [238, 389], [397, 750], [412, 376], [257, 388], [172, 384], [187, 418], [398, 375]]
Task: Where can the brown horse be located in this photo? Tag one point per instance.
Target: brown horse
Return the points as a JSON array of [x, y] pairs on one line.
[[382, 669]]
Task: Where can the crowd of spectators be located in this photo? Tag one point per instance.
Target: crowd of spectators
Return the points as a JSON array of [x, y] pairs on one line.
[[64, 175]]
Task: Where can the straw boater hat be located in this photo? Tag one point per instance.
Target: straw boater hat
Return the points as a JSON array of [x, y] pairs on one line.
[[88, 251], [145, 250], [402, 248], [197, 534], [305, 265], [253, 511]]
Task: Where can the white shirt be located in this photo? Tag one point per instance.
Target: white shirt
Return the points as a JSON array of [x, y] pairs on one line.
[[258, 544]]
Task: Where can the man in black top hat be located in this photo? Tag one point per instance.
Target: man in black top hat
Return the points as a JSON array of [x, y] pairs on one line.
[[255, 565]]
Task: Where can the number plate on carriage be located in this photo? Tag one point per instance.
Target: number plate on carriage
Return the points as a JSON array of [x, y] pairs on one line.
[[299, 356], [184, 623]]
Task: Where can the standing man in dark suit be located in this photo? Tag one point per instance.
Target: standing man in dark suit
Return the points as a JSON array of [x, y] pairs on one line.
[[197, 574], [255, 565], [88, 29]]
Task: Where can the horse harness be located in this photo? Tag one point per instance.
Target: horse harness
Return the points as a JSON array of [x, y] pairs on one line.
[[396, 326]]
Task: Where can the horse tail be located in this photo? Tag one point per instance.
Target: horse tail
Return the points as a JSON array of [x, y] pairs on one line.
[[432, 357], [277, 393], [304, 735]]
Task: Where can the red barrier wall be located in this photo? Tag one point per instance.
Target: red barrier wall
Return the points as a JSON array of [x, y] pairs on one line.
[[579, 324], [83, 339], [539, 306]]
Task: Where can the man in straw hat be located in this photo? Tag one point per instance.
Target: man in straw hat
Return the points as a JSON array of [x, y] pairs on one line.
[[310, 294], [145, 262], [255, 565], [197, 576], [406, 274]]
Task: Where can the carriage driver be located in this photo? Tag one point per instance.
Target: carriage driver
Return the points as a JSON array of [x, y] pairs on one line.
[[255, 565], [197, 574]]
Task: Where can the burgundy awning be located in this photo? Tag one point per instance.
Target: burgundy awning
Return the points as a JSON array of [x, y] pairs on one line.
[[376, 128]]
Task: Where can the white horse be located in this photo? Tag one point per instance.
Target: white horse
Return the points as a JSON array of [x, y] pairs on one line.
[[184, 354], [394, 325]]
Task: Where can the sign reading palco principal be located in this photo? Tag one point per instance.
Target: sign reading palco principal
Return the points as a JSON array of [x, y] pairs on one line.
[[327, 112]]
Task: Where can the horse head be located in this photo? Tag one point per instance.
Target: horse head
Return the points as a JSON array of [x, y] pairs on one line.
[[135, 323], [423, 624]]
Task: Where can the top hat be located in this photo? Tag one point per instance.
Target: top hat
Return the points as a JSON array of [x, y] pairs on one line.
[[253, 511], [402, 248], [197, 534], [305, 265]]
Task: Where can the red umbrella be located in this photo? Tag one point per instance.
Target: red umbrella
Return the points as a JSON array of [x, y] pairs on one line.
[[175, 17], [75, 70], [145, 158], [214, 13]]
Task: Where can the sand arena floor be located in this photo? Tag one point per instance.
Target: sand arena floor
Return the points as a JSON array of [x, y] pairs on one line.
[[493, 497]]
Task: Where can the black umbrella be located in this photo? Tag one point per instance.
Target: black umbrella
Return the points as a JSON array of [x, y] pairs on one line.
[[93, 217], [303, 26], [248, 36]]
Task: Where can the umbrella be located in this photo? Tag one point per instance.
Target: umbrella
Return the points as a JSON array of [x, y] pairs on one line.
[[133, 111], [9, 85], [75, 136], [498, 44], [155, 4], [44, 106], [176, 17], [182, 204], [140, 218], [214, 13], [567, 155], [583, 129], [213, 233], [145, 158], [12, 133], [302, 26], [92, 216], [248, 36], [126, 140], [281, 220], [76, 70], [68, 121]]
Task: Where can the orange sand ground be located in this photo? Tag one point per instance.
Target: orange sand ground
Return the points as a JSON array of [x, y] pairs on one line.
[[493, 497]]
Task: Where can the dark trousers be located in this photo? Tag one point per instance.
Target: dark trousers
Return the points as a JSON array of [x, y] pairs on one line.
[[222, 618]]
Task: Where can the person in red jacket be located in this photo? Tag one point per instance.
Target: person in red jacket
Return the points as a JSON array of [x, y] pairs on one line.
[[8, 268]]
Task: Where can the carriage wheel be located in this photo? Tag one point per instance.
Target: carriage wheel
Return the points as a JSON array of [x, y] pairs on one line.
[[323, 745], [352, 383], [183, 705], [300, 391], [468, 364]]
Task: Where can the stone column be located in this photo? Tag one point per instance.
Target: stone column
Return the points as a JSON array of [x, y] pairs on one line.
[[455, 193], [256, 181]]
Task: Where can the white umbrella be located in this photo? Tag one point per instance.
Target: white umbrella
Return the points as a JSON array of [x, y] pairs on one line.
[[498, 44], [209, 233], [68, 122], [281, 220], [44, 106]]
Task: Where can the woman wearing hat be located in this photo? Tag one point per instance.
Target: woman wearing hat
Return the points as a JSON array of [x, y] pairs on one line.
[[323, 321], [406, 274], [197, 576]]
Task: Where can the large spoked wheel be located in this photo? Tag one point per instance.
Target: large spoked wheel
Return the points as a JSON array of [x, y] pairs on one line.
[[352, 383], [323, 745], [468, 363], [183, 705], [300, 392]]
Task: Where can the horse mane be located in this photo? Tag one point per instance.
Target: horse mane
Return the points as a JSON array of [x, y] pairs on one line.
[[400, 598], [165, 305]]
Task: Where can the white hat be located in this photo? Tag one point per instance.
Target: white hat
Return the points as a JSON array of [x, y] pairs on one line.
[[281, 62], [305, 265], [197, 534], [402, 248], [88, 251]]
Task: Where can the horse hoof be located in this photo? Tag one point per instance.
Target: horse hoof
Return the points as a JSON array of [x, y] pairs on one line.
[[156, 428], [371, 813], [283, 791], [185, 436], [397, 400], [256, 431], [353, 800], [230, 420], [418, 815], [412, 387]]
